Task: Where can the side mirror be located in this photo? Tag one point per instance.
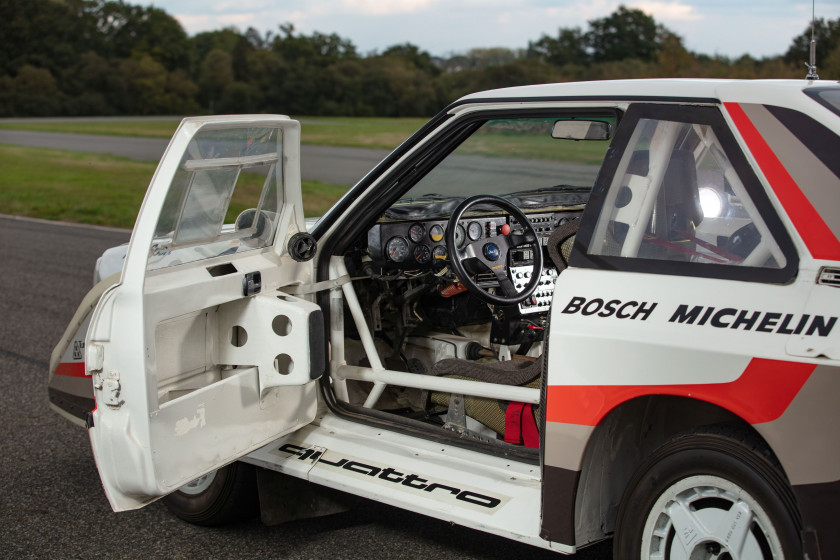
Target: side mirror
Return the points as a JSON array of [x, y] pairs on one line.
[[250, 221], [581, 130]]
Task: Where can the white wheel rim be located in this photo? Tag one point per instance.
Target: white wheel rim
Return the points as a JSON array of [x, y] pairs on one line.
[[198, 485], [709, 518]]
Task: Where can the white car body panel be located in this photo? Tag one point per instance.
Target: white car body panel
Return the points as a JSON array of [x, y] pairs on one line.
[[146, 443], [367, 454], [635, 356]]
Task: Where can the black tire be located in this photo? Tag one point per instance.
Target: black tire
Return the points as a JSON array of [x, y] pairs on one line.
[[708, 479], [228, 495]]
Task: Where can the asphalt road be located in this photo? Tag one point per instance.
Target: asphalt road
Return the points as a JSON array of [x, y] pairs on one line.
[[330, 164], [342, 165], [51, 502]]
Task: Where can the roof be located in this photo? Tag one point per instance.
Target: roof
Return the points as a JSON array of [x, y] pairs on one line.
[[755, 91]]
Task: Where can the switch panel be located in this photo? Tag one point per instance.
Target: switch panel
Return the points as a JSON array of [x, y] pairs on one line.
[[540, 300]]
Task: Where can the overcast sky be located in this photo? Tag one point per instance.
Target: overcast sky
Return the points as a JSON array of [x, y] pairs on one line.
[[443, 27]]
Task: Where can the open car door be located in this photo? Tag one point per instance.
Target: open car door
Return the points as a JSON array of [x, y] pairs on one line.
[[196, 357]]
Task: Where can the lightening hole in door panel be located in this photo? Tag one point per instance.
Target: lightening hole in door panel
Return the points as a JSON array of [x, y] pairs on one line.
[[282, 325], [284, 364], [238, 336]]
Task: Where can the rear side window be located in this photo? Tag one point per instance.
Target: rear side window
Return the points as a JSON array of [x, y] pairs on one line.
[[676, 202], [828, 97]]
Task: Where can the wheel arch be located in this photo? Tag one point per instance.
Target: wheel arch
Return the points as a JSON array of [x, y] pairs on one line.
[[623, 439]]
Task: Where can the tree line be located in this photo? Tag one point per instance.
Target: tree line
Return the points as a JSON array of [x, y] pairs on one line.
[[106, 57]]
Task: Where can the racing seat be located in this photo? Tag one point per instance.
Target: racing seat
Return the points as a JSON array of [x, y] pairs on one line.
[[515, 422], [561, 242], [682, 196], [670, 233], [507, 419], [673, 231]]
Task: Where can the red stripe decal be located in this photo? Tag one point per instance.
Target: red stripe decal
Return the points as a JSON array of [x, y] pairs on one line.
[[818, 237], [71, 369], [761, 394]]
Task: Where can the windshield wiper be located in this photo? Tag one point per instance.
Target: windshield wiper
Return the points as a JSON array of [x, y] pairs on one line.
[[544, 190], [435, 197]]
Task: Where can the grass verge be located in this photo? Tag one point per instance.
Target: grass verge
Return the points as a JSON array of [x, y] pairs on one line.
[[382, 133], [357, 132], [146, 129], [96, 188]]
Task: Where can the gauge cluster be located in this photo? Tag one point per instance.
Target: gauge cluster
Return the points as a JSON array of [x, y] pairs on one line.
[[411, 245], [420, 244]]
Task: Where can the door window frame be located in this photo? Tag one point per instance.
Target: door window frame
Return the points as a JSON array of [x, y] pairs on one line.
[[695, 114]]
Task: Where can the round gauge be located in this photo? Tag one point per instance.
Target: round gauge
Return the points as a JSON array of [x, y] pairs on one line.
[[417, 232], [474, 231], [436, 233], [460, 236], [422, 254], [397, 249], [439, 252]]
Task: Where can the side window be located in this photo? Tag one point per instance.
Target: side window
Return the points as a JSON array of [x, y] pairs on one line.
[[224, 198], [675, 196]]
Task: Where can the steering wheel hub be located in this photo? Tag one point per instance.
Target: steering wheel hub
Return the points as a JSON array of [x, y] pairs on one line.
[[479, 256]]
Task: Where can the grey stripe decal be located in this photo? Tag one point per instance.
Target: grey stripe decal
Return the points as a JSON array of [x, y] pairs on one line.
[[805, 438], [815, 180], [565, 444]]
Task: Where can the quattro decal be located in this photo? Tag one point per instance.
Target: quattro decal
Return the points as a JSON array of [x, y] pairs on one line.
[[382, 474], [701, 315]]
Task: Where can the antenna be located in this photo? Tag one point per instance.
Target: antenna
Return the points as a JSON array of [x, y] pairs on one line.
[[812, 67]]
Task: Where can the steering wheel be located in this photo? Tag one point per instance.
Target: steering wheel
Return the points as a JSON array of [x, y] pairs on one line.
[[491, 253]]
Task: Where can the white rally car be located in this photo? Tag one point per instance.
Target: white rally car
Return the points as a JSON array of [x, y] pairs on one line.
[[556, 313]]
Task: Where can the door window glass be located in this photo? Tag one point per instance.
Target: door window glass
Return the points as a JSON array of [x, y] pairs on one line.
[[225, 197], [676, 197]]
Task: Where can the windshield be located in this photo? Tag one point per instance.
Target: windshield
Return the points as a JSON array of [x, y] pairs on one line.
[[509, 155], [516, 158]]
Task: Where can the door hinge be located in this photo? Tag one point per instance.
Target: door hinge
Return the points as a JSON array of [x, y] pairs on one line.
[[110, 388], [94, 357]]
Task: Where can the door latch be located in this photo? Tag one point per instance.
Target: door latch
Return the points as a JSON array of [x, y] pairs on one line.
[[251, 284]]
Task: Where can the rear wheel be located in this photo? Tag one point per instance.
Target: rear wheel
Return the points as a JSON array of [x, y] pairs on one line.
[[224, 496], [707, 496]]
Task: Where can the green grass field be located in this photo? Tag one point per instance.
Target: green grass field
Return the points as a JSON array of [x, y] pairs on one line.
[[379, 133], [148, 129], [98, 189], [107, 190], [357, 132]]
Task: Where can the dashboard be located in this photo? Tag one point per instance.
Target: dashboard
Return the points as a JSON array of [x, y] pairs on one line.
[[419, 245]]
